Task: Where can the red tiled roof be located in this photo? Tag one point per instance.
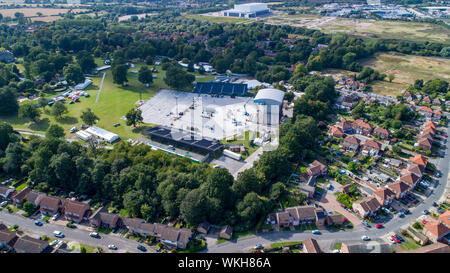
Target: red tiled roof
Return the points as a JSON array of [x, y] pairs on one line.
[[361, 123], [409, 178], [419, 159], [398, 187], [382, 131], [430, 124], [372, 143], [445, 218], [384, 193], [426, 109], [352, 140], [436, 228]]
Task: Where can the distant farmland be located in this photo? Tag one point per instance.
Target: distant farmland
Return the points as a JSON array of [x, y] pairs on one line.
[[33, 12]]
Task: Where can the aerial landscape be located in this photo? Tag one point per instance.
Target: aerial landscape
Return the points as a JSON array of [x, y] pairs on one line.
[[224, 126]]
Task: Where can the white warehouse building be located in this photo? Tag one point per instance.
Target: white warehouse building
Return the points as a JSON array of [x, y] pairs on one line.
[[272, 100], [102, 134], [250, 10]]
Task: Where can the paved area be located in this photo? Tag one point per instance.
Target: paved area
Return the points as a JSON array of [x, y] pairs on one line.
[[100, 89], [329, 202]]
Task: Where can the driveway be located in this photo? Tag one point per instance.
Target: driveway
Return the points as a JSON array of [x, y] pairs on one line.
[[329, 202]]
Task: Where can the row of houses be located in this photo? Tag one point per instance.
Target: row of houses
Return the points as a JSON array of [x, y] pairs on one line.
[[427, 99], [80, 212], [11, 242], [427, 135], [429, 113], [302, 215], [359, 127], [384, 196]]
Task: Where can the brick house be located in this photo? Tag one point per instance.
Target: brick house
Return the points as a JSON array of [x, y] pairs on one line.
[[426, 111], [101, 217], [399, 188], [283, 219], [425, 143], [362, 127], [351, 143], [346, 126], [436, 231], [316, 169], [410, 179], [50, 205], [384, 196], [35, 197], [381, 133], [335, 132], [437, 114], [371, 147], [5, 192], [311, 246], [7, 239], [430, 124], [415, 169], [27, 244], [366, 207], [76, 211]]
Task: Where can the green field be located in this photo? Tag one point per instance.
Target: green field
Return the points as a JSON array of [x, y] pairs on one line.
[[114, 102], [386, 29], [407, 69]]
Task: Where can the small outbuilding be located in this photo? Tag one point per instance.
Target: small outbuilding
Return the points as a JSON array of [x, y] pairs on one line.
[[226, 232]]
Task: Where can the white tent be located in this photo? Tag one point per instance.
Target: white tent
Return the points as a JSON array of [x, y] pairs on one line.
[[82, 86], [102, 134]]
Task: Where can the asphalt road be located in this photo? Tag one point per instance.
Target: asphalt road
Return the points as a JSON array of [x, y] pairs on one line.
[[245, 243], [79, 235]]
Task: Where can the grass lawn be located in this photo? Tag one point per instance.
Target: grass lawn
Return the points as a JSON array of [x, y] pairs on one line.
[[409, 244], [337, 245], [194, 246], [283, 244], [246, 141], [21, 186]]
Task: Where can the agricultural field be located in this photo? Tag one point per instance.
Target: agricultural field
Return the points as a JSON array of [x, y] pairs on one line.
[[114, 102], [366, 27], [406, 68], [33, 12]]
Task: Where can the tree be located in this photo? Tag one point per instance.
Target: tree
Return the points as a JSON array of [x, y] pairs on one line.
[[30, 112], [88, 117], [42, 102], [391, 77], [85, 61], [218, 185], [6, 135], [8, 101], [119, 73], [145, 75], [251, 209], [178, 78], [73, 74], [134, 116], [28, 207], [192, 207], [58, 109], [55, 131]]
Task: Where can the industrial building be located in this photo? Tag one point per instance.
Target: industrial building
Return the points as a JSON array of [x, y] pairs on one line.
[[273, 100], [250, 10], [83, 85], [221, 88], [185, 140]]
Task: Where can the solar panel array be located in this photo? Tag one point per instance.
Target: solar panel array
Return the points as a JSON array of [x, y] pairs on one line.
[[185, 139], [221, 88]]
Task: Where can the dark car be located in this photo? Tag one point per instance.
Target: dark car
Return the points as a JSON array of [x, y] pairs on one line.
[[116, 124], [38, 223], [141, 248], [435, 204]]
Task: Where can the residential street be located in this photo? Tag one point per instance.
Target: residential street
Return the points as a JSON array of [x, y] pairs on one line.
[[78, 235], [245, 243]]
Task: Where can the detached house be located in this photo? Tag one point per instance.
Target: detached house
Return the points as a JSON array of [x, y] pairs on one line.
[[50, 205], [415, 169], [437, 114], [409, 96], [76, 211], [362, 127], [27, 244], [427, 99], [317, 168], [371, 147], [7, 239], [399, 188], [335, 132], [384, 196], [381, 133], [437, 101], [351, 143], [101, 217]]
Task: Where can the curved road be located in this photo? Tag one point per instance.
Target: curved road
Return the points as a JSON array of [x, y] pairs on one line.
[[243, 244]]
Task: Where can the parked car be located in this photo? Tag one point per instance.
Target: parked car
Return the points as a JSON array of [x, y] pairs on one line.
[[405, 211], [391, 240], [141, 248], [440, 211], [435, 204], [113, 247], [38, 223], [336, 251], [58, 234], [366, 224], [426, 212], [316, 231], [379, 225], [116, 124], [94, 234], [73, 130], [424, 222], [3, 204], [258, 246], [395, 239], [55, 217], [53, 243], [365, 238]]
